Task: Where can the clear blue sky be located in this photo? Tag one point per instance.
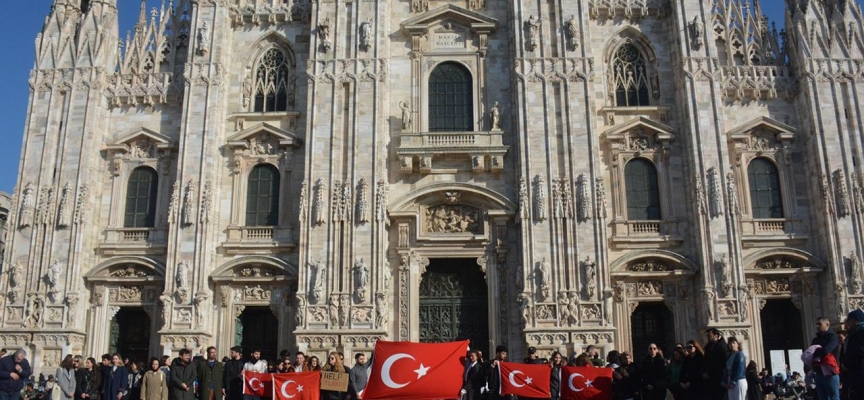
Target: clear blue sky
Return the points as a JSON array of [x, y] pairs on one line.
[[24, 20]]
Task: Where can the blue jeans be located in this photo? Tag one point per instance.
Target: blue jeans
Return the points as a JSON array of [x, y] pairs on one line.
[[827, 387], [4, 395]]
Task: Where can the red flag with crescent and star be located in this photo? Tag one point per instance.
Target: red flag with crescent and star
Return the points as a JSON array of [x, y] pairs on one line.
[[297, 386], [586, 383], [257, 383], [415, 371], [525, 380]]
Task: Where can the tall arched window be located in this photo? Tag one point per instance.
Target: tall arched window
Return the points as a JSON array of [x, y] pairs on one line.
[[629, 77], [273, 85], [451, 103], [765, 196], [141, 198], [262, 197], [643, 193]]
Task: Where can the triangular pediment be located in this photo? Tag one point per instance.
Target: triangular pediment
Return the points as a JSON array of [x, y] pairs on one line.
[[451, 13], [661, 132], [243, 138], [124, 142], [780, 130]]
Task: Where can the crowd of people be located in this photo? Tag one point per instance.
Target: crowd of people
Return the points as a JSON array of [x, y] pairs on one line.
[[834, 369]]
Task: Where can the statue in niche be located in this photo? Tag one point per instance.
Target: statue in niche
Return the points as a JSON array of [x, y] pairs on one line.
[[406, 115], [333, 309], [361, 279], [495, 117], [53, 275], [572, 27], [698, 30], [300, 313], [452, 219], [166, 301], [324, 35], [201, 303], [15, 274], [317, 276], [366, 34], [533, 32], [182, 277], [543, 277], [608, 299], [203, 38], [343, 310], [590, 276], [525, 301], [381, 310]]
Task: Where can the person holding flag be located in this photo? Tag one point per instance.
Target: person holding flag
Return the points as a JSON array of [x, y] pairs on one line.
[[297, 386], [586, 383], [255, 377], [473, 378], [493, 374], [410, 371], [524, 380]]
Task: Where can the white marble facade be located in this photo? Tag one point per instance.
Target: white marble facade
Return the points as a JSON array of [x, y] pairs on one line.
[[367, 192]]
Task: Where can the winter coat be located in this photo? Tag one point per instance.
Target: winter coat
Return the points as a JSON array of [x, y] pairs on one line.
[[7, 366], [853, 359], [232, 379], [182, 373], [116, 382], [89, 383], [208, 375], [154, 386], [65, 383]]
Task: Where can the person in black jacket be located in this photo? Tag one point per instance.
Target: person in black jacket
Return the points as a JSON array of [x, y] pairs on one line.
[[183, 376], [852, 364], [493, 376], [233, 378], [692, 381], [555, 375], [14, 371], [716, 352], [827, 386], [117, 379], [88, 381], [653, 374], [472, 377]]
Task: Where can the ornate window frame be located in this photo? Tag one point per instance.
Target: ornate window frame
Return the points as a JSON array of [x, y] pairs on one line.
[[139, 148], [650, 140], [611, 111], [772, 140], [260, 144], [271, 41]]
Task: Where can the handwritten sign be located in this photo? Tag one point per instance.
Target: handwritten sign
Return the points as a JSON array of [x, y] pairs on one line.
[[334, 381], [448, 40]]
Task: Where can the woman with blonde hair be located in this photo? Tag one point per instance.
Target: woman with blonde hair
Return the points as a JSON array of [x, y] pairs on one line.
[[334, 364], [154, 385]]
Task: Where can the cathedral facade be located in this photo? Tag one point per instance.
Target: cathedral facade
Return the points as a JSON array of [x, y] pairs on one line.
[[316, 175]]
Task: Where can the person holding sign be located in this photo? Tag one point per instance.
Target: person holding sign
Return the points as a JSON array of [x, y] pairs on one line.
[[332, 391]]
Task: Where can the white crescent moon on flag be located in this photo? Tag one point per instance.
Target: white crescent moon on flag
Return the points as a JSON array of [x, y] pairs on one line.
[[285, 394], [512, 375], [252, 385], [570, 382], [385, 370]]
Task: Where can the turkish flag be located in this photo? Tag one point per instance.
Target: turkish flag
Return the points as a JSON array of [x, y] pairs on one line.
[[415, 371], [525, 380], [258, 383], [297, 386], [586, 383]]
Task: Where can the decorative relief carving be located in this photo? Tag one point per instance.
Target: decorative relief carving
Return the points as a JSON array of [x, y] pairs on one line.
[[452, 219], [697, 33], [856, 269], [128, 271], [382, 193], [568, 308], [540, 204], [590, 268], [206, 203], [827, 195], [64, 214], [727, 308], [776, 263], [174, 203], [34, 311], [317, 276], [28, 202], [524, 204], [125, 294], [844, 205], [543, 279], [319, 206], [81, 205], [630, 9], [363, 201], [732, 195], [600, 206], [649, 288], [715, 193], [253, 272], [324, 35], [256, 293], [571, 27], [304, 200], [418, 6], [188, 212], [649, 265], [546, 312], [532, 27], [583, 203]]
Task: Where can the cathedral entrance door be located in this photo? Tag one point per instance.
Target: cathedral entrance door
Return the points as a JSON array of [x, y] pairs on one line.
[[258, 328], [652, 322], [130, 334], [781, 327], [453, 303]]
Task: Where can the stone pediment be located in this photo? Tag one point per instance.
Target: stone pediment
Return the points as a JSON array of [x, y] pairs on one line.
[[461, 16], [263, 134], [648, 127], [763, 126], [142, 141], [654, 263]]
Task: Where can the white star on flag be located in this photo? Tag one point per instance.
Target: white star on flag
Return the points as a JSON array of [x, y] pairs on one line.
[[421, 372], [299, 388], [528, 380], [588, 383]]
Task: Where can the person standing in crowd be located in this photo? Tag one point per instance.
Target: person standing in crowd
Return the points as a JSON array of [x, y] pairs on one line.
[[136, 372], [827, 385], [627, 385], [314, 364], [493, 375], [232, 376], [555, 376], [842, 334], [852, 363], [736, 363], [88, 381], [754, 392], [211, 374], [716, 353], [334, 364], [472, 377], [165, 366], [3, 352], [358, 376], [594, 355], [14, 371], [65, 386], [105, 367], [692, 382], [116, 379], [183, 374], [284, 364], [532, 357], [154, 385], [652, 374], [255, 364], [676, 373], [299, 363]]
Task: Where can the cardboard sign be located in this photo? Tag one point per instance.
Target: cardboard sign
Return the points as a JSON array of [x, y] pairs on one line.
[[334, 381]]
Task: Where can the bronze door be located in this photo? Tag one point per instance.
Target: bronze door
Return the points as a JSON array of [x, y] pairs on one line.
[[130, 334], [453, 303], [652, 323], [260, 329]]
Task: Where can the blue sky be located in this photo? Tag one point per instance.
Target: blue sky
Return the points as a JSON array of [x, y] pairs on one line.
[[20, 32]]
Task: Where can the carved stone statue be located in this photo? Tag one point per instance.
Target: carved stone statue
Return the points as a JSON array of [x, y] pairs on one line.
[[361, 279], [708, 300], [203, 38], [382, 310], [71, 301], [324, 35], [388, 277], [856, 270], [406, 115], [188, 217], [166, 301], [343, 310], [572, 29], [317, 274], [53, 275], [16, 273], [64, 213], [726, 276], [333, 309], [202, 300], [182, 277], [33, 311], [543, 277], [698, 31], [495, 117], [28, 201], [590, 276], [608, 304], [300, 312], [526, 304], [366, 35], [533, 32]]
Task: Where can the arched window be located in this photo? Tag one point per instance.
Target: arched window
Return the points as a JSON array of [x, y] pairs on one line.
[[141, 198], [764, 189], [273, 86], [262, 197], [643, 193], [629, 77], [451, 103]]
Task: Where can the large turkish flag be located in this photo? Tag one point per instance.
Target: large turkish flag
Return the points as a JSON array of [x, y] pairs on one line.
[[586, 383], [297, 386], [525, 380], [415, 371], [257, 383]]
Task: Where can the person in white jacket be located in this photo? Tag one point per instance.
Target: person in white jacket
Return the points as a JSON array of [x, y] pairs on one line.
[[255, 364]]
